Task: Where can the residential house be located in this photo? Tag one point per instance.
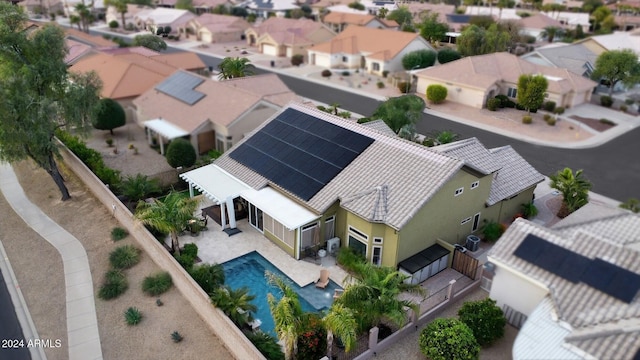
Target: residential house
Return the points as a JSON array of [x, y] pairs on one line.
[[88, 39], [338, 21], [309, 179], [626, 14], [576, 58], [570, 20], [126, 75], [153, 18], [374, 50], [287, 37], [572, 289], [473, 80], [214, 28], [207, 6], [537, 25], [214, 115], [421, 10], [568, 4], [39, 7], [493, 11], [132, 10], [619, 40], [265, 8]]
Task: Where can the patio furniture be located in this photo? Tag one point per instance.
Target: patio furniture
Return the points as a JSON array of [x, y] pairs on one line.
[[337, 293], [323, 281]]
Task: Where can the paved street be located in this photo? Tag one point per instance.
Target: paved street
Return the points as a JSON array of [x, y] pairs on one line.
[[10, 330]]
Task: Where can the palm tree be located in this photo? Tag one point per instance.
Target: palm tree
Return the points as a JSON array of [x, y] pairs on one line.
[[382, 13], [288, 317], [372, 295], [75, 20], [139, 187], [340, 321], [86, 17], [120, 6], [334, 108], [170, 215], [235, 67], [236, 304], [550, 33], [574, 189]]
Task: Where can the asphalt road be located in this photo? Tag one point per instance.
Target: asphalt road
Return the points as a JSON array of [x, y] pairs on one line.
[[13, 346]]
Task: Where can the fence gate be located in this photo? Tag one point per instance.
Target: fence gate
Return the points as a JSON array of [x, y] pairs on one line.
[[464, 264]]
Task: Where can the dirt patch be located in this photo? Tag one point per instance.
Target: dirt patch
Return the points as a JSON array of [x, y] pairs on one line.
[[595, 124], [90, 222]]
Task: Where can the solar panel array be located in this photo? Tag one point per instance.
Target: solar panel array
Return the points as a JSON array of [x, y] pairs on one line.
[[597, 273], [300, 152], [181, 86]]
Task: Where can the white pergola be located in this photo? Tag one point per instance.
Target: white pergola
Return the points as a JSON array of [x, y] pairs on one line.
[[165, 129]]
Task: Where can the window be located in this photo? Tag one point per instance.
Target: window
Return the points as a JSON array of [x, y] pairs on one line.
[[375, 66], [377, 240], [465, 221], [376, 256], [330, 227], [475, 184], [359, 233], [345, 59], [358, 241], [512, 93], [459, 191], [476, 221]]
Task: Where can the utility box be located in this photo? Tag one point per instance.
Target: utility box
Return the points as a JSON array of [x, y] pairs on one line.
[[472, 243]]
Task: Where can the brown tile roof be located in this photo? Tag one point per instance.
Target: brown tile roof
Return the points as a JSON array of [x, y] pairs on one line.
[[483, 71], [288, 31], [223, 103], [95, 41], [382, 44], [336, 17], [221, 23], [130, 50], [76, 50], [181, 60], [539, 21]]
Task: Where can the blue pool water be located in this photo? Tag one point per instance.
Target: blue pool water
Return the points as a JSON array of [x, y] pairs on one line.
[[248, 270]]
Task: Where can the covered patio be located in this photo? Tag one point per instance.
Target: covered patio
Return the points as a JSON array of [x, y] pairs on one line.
[[164, 129]]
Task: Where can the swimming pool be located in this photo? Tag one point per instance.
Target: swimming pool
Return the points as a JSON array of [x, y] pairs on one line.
[[248, 270]]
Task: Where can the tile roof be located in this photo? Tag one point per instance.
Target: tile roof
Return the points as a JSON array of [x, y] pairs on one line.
[[165, 16], [181, 60], [130, 50], [336, 17], [224, 101], [382, 44], [619, 40], [483, 71], [539, 21], [273, 5], [380, 126], [220, 23], [602, 326], [91, 40], [411, 173], [511, 173], [76, 50], [288, 31], [570, 56]]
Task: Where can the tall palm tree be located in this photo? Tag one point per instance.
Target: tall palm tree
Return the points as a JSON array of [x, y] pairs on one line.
[[120, 6], [340, 321], [236, 304], [235, 67], [288, 317], [170, 215], [75, 20], [550, 33], [86, 17], [574, 189]]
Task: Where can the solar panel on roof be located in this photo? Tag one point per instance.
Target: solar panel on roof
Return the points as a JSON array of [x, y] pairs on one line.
[[181, 86], [302, 146], [612, 280]]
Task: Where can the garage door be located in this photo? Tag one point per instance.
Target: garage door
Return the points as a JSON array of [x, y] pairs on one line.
[[269, 50]]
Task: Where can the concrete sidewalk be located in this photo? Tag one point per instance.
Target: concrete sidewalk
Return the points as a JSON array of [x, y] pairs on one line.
[[82, 323]]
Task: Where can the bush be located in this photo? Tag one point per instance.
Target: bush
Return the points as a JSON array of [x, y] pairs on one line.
[[606, 101], [418, 59], [113, 24], [527, 119], [157, 284], [190, 249], [549, 106], [446, 55], [607, 122], [118, 233], [404, 87], [623, 108], [132, 316], [345, 114], [629, 101], [266, 344], [551, 122], [176, 337], [492, 231], [546, 117], [436, 93], [297, 60], [312, 343], [380, 85], [346, 73], [485, 319], [185, 261], [349, 259], [446, 339], [529, 210], [109, 115], [124, 257], [385, 73], [208, 276], [559, 110], [326, 73], [114, 284], [493, 104], [180, 153]]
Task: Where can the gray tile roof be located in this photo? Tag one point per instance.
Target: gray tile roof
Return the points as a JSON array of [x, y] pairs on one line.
[[602, 325], [411, 172], [571, 57], [381, 126], [511, 173]]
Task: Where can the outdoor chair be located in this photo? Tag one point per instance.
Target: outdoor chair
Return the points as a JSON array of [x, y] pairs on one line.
[[323, 281]]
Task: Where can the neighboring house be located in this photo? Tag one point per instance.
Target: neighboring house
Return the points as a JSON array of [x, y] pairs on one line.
[[287, 37], [87, 39], [214, 115], [206, 6], [572, 289], [263, 8], [76, 51], [536, 25], [576, 58], [310, 179], [127, 75], [338, 21], [374, 50], [473, 80], [43, 7], [132, 10], [568, 4], [627, 22], [619, 40], [493, 11], [214, 28], [570, 20], [81, 44], [422, 10], [152, 19]]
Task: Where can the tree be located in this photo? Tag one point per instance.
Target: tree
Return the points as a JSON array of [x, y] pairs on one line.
[[485, 319], [150, 42], [121, 8], [550, 33], [169, 216], [616, 66], [181, 153], [603, 20], [288, 317], [399, 112], [86, 17], [402, 16], [109, 115], [75, 20], [209, 276], [340, 322], [231, 68], [448, 339], [574, 189], [356, 5], [446, 55], [495, 40], [470, 41], [139, 187], [38, 95], [436, 93], [239, 11], [433, 30], [382, 13], [185, 5], [418, 59], [531, 91], [236, 304]]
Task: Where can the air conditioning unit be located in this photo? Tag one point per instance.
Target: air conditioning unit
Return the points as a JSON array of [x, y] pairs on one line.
[[472, 243], [333, 245]]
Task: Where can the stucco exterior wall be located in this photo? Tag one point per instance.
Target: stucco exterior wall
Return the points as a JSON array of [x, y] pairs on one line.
[[373, 230], [286, 248], [249, 122], [515, 290], [513, 206], [457, 93], [395, 63]]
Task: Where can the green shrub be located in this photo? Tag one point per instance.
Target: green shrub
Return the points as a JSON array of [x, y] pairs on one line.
[[559, 110], [124, 257], [157, 284], [176, 337], [208, 276], [385, 73], [321, 108], [348, 258], [492, 231], [190, 249], [529, 210], [623, 108], [109, 114], [380, 85], [312, 343], [446, 55], [404, 87], [493, 104], [546, 117], [447, 339], [527, 119], [181, 153], [607, 122], [551, 122], [297, 60], [132, 316], [266, 344], [549, 106], [418, 59], [113, 24], [346, 73], [185, 261], [326, 73], [629, 101], [118, 233], [114, 284], [485, 319], [606, 101], [436, 93], [344, 114]]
